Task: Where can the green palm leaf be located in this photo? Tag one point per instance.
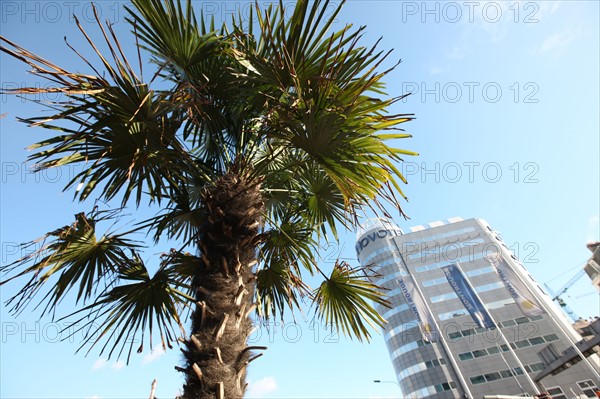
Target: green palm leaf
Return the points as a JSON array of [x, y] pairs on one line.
[[71, 257], [139, 305], [343, 301]]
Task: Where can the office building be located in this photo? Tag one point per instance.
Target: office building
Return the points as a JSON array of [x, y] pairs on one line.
[[437, 348]]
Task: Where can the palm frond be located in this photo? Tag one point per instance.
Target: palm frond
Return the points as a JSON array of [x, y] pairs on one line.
[[323, 96], [278, 288], [120, 130], [184, 216], [290, 240], [343, 301], [70, 257], [137, 306]]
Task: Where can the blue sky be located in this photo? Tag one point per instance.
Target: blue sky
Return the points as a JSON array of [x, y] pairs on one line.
[[506, 96]]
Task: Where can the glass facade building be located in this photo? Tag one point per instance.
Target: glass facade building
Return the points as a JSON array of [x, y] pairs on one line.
[[464, 360]]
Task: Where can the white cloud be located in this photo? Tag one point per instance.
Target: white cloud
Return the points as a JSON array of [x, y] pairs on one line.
[[261, 387], [154, 355], [555, 6], [541, 9], [593, 229], [557, 43], [493, 20], [103, 363], [118, 365], [99, 364]]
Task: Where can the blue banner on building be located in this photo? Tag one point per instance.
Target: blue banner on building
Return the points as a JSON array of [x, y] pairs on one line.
[[468, 297]]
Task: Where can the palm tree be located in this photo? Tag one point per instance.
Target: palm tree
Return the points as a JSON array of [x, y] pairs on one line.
[[256, 141]]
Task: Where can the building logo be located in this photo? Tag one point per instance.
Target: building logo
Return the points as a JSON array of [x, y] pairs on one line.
[[373, 236]]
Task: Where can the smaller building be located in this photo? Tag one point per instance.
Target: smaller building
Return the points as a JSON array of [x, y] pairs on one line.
[[556, 362], [592, 267]]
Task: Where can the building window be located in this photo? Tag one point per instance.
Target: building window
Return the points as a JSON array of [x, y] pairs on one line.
[[551, 337], [522, 344], [465, 356], [492, 377], [442, 387], [588, 387], [508, 323], [522, 320], [506, 373], [557, 393], [537, 341], [537, 366], [443, 297], [500, 304], [478, 379], [480, 353], [493, 350]]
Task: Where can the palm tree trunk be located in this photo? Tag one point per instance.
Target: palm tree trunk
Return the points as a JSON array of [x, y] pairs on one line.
[[216, 352]]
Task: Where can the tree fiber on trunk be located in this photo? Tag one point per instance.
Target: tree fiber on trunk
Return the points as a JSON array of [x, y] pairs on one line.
[[216, 352]]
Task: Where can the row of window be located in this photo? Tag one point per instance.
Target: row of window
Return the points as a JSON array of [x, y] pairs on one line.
[[401, 328], [498, 375], [447, 258], [438, 265], [520, 320], [515, 345], [464, 333], [413, 323], [408, 347], [479, 288], [391, 276], [470, 273], [388, 260], [439, 298], [432, 389], [505, 323], [440, 236], [533, 341], [392, 260], [462, 311], [588, 388], [415, 368], [385, 249], [391, 312], [443, 249]]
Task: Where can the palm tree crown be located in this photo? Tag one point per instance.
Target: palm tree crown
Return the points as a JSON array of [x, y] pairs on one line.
[[256, 141]]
